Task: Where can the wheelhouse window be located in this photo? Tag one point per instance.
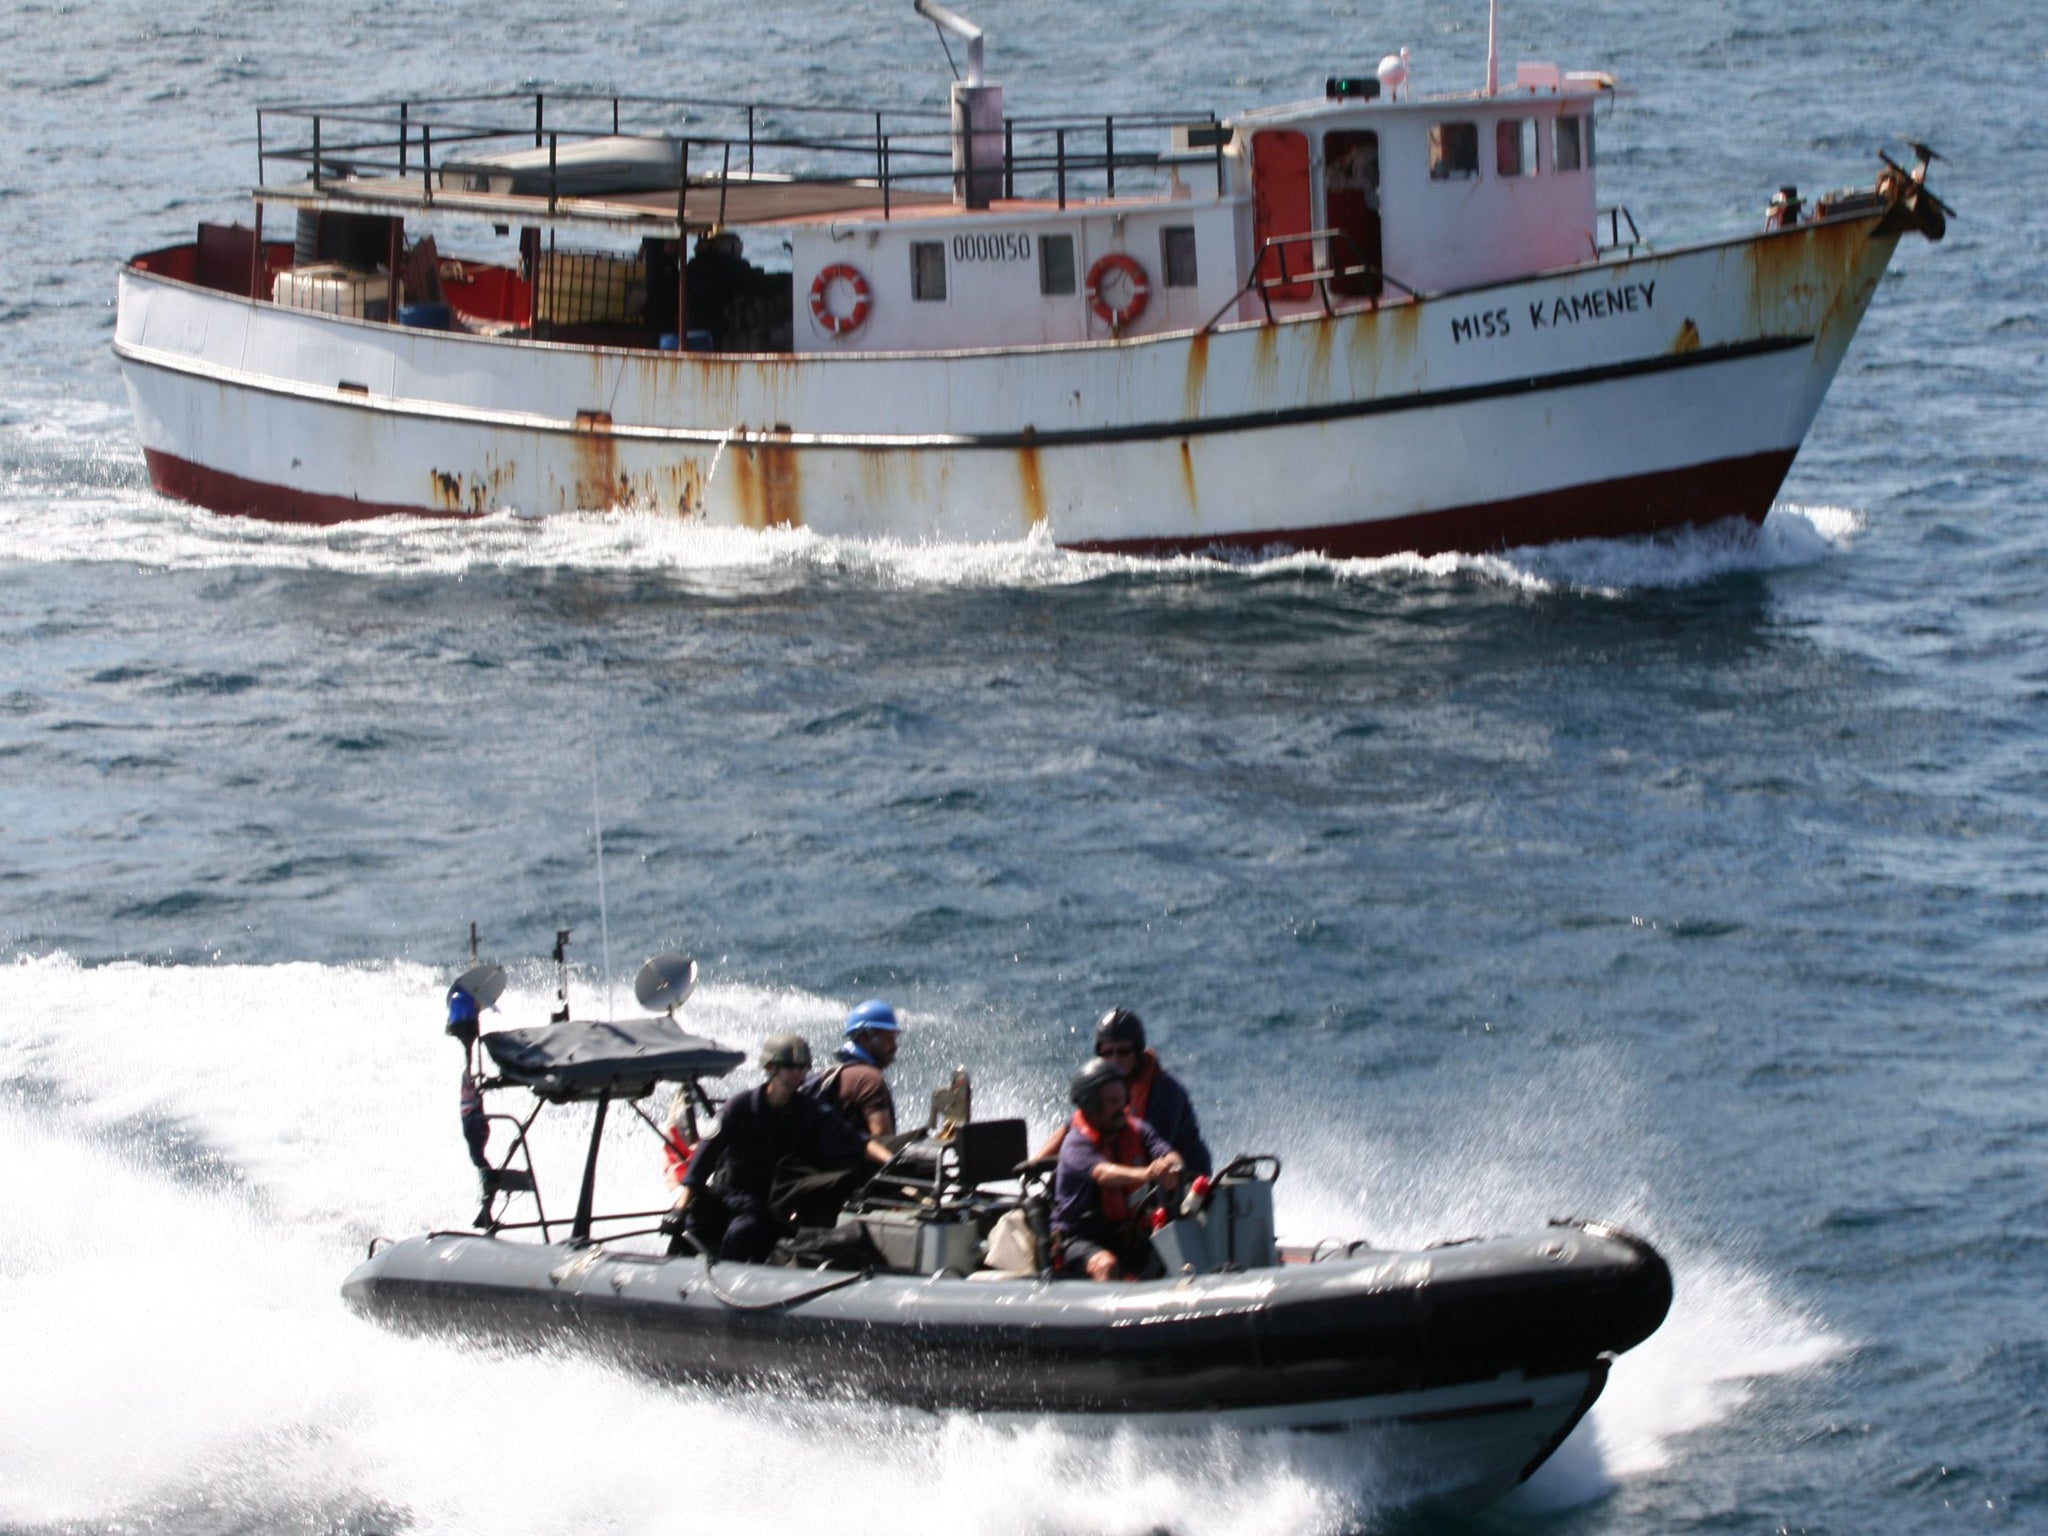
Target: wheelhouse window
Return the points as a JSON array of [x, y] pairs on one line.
[[1177, 255], [1453, 151], [1571, 143], [1055, 264], [1514, 146], [928, 270]]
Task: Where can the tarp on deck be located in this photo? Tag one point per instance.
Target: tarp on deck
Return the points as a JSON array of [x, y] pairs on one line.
[[626, 1058]]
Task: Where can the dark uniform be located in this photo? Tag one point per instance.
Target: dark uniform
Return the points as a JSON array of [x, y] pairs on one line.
[[733, 1214], [717, 280], [857, 1089], [1158, 1099]]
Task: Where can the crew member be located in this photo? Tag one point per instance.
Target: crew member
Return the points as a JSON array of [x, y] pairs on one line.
[[855, 1085], [716, 281], [1107, 1156], [727, 1192], [1156, 1096]]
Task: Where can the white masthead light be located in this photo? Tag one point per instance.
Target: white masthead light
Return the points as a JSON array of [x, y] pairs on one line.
[[1393, 73]]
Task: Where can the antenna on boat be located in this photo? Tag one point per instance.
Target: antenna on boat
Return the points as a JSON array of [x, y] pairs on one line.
[[561, 1014], [979, 144], [666, 982], [1493, 47], [604, 925], [960, 27]]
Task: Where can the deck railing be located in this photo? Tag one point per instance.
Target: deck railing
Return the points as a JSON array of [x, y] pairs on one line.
[[720, 143], [1616, 216], [1317, 253]]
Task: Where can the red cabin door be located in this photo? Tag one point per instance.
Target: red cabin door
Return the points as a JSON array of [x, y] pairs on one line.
[[1281, 206]]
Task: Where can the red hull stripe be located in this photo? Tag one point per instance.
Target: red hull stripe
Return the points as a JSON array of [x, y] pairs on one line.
[[1638, 504], [1612, 509], [218, 491]]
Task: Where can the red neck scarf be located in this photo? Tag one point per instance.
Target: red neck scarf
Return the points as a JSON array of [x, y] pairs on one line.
[[1123, 1145]]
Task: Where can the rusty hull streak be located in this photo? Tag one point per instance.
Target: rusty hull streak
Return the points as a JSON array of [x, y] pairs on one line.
[[1187, 475], [1860, 277], [768, 483], [1198, 374], [1362, 352], [1381, 343], [879, 474], [1032, 484], [1319, 345], [487, 490], [782, 488], [599, 485], [470, 495], [718, 377], [1402, 325], [1792, 276], [1265, 358], [677, 487], [1688, 339]]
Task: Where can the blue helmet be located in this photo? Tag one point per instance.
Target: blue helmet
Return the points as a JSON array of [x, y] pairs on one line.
[[462, 1019], [872, 1014]]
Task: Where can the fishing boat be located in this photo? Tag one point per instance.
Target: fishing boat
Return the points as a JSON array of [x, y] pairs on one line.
[[1375, 320], [1454, 1370]]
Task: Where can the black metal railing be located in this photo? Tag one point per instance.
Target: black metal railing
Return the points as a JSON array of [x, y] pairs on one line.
[[1317, 247], [408, 144], [1616, 216]]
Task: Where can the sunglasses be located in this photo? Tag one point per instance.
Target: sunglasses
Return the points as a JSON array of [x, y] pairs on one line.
[[1108, 1051]]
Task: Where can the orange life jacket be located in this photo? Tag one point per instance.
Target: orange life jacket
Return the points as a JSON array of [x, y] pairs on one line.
[[1124, 1146], [1138, 1086]]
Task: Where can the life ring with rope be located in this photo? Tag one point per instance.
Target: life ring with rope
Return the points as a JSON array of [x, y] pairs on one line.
[[1118, 289], [821, 305]]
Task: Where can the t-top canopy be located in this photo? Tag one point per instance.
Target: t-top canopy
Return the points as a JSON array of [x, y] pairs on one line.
[[580, 1060]]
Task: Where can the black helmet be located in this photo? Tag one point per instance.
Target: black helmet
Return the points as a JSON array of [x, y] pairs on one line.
[[785, 1051], [1089, 1082], [1120, 1024]]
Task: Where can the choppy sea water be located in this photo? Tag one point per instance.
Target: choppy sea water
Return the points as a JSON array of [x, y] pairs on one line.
[[1698, 883]]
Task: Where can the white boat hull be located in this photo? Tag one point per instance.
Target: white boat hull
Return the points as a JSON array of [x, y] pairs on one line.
[[1609, 399]]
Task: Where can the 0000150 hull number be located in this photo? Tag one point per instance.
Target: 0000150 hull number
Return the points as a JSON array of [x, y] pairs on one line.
[[1007, 247]]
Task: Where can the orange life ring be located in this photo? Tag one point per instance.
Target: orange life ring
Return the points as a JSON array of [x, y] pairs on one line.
[[863, 299], [1141, 290]]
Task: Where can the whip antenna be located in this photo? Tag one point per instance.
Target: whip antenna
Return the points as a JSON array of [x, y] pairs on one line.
[[604, 927]]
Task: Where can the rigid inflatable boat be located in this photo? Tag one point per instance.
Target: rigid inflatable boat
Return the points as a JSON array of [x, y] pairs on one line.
[[1461, 1367]]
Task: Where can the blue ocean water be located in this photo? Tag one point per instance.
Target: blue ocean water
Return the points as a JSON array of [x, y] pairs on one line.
[[1697, 882]]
